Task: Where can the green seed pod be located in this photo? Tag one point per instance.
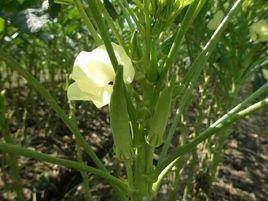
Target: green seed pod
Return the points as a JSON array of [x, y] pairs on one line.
[[153, 70], [119, 118], [159, 120], [136, 48]]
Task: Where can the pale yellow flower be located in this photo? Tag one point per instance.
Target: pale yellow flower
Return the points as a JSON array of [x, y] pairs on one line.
[[94, 75], [259, 31]]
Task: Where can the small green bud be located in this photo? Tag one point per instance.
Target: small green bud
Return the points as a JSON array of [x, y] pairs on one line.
[[119, 118], [159, 120]]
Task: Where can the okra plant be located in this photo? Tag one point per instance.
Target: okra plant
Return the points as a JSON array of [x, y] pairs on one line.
[[138, 69]]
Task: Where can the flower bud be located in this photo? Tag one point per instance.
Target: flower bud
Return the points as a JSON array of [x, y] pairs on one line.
[[159, 120], [119, 119]]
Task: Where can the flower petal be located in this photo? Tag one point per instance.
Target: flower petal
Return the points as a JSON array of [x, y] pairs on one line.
[[75, 93], [103, 97], [88, 72], [122, 58], [84, 82], [94, 75], [125, 61]]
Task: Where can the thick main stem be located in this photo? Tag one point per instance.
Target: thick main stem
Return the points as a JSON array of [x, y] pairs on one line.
[[143, 167]]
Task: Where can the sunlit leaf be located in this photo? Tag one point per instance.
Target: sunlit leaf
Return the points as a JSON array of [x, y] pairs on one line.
[[2, 24]]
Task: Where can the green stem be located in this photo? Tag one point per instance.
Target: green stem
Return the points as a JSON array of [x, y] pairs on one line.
[[162, 175], [213, 129], [14, 149], [79, 153], [134, 17], [189, 184], [89, 25], [191, 78], [255, 95], [90, 16], [141, 184], [217, 155], [170, 135], [149, 151], [85, 182], [126, 15], [138, 173], [96, 12], [110, 22], [198, 65], [139, 5], [187, 21], [53, 104], [147, 36], [128, 164], [176, 181], [199, 7]]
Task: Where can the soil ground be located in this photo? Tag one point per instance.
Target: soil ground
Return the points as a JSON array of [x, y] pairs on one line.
[[244, 172]]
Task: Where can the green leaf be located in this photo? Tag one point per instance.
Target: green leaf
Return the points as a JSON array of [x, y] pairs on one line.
[[2, 24], [20, 1]]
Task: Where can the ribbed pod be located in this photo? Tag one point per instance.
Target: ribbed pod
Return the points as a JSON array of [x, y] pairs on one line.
[[119, 118], [159, 120]]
